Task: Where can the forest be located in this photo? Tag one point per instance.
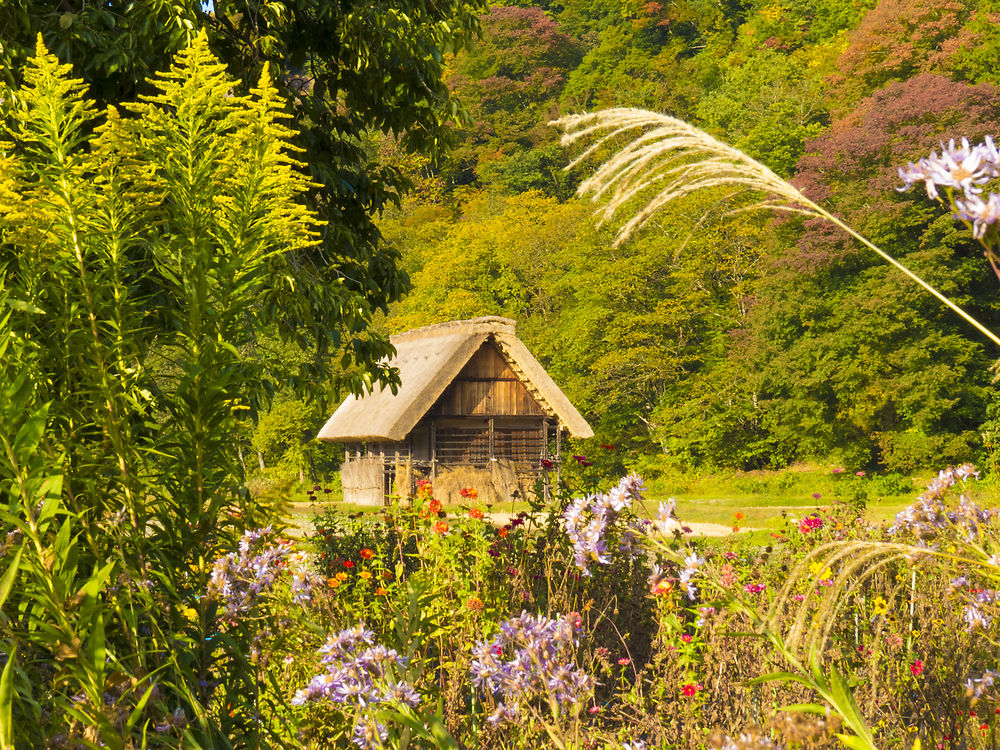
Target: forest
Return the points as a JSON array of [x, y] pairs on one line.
[[712, 339]]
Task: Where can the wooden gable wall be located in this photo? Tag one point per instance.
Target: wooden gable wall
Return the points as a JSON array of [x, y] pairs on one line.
[[487, 387]]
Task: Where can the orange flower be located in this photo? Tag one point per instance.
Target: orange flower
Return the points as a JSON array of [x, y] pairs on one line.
[[434, 507], [503, 532], [475, 604], [366, 554], [341, 576], [476, 513], [387, 575], [662, 588], [469, 493], [365, 574], [441, 527], [381, 592], [332, 582], [739, 516]]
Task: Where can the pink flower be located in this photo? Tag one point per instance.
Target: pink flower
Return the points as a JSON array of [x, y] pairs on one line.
[[859, 473], [817, 496], [917, 668], [623, 661], [691, 689], [686, 638], [728, 576], [810, 523]]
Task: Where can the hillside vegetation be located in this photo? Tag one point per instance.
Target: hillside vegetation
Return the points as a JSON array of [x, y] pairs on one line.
[[711, 340]]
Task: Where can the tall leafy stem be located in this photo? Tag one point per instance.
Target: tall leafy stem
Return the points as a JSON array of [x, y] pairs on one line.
[[136, 252]]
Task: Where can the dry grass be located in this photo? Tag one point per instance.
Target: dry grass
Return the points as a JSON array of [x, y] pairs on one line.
[[672, 159]]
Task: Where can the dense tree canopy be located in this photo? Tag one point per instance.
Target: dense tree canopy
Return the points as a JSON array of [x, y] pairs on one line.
[[346, 69]]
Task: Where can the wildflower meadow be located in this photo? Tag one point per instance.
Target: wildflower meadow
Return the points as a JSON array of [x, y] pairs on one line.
[[597, 622]]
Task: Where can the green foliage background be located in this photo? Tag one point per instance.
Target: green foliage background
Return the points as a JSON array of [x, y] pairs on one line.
[[740, 341]]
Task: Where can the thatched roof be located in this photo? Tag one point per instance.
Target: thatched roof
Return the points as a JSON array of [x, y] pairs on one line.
[[429, 359]]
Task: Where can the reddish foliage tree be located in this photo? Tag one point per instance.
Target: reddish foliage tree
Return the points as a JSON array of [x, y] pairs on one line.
[[510, 80], [895, 40], [853, 166]]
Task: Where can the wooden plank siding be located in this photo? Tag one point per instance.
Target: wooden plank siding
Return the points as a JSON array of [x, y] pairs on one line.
[[487, 387]]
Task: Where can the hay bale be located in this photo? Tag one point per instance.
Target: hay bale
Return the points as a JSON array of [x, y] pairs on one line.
[[451, 480], [500, 482]]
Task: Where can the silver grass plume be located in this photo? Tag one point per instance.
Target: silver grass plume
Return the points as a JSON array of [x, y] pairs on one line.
[[680, 159]]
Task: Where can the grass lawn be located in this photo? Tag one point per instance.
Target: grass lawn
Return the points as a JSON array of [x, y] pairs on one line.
[[714, 500], [759, 512]]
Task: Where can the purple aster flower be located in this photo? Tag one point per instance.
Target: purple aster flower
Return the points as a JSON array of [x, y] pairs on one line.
[[588, 521], [360, 676], [530, 659], [982, 214], [961, 167]]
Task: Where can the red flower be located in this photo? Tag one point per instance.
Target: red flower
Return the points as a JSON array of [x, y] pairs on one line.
[[367, 554], [691, 689], [475, 513], [469, 493], [441, 527], [546, 463], [917, 667], [348, 564]]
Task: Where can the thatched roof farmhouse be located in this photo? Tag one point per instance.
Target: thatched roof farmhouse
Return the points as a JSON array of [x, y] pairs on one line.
[[475, 409]]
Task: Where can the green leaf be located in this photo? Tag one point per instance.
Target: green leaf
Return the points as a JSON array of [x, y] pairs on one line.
[[806, 708], [98, 650], [776, 676], [6, 699], [25, 306], [855, 743], [139, 706], [9, 576], [29, 436]]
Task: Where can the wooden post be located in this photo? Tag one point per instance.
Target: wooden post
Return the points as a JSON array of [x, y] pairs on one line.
[[493, 455], [413, 474], [434, 446], [558, 454], [386, 483], [543, 455]]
